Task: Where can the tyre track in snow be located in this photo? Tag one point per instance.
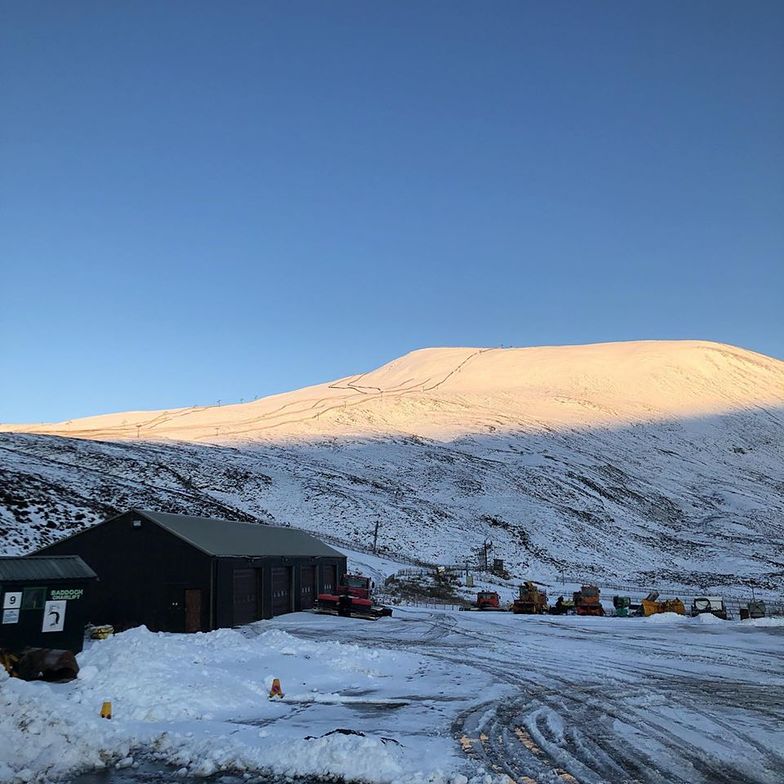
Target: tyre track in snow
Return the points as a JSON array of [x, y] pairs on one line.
[[610, 725], [601, 756]]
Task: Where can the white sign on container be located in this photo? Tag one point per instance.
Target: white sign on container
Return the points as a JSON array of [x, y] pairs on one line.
[[12, 600], [10, 616], [54, 616]]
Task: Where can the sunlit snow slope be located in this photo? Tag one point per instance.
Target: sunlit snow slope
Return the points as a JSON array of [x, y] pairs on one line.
[[621, 459]]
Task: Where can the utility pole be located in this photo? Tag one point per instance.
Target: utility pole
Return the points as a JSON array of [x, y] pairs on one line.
[[375, 537]]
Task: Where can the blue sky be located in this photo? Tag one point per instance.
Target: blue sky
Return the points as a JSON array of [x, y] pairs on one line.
[[205, 201]]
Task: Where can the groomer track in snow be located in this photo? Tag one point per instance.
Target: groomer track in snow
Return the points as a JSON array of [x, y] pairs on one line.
[[665, 700]]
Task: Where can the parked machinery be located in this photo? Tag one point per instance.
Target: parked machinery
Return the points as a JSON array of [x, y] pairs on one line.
[[709, 604], [622, 605], [487, 600], [651, 605], [102, 632], [352, 598], [562, 607], [46, 664], [586, 601], [531, 601], [756, 608]]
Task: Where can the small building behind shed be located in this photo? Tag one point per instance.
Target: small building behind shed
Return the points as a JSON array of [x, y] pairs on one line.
[[44, 601], [178, 573]]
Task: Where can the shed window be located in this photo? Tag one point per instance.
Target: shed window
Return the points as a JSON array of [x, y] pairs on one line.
[[33, 598]]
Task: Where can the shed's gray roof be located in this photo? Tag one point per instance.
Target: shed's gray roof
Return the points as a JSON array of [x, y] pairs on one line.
[[15, 568], [229, 537]]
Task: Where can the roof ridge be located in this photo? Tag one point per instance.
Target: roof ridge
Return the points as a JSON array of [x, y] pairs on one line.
[[31, 556]]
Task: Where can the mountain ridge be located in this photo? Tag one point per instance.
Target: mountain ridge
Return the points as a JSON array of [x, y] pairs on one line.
[[627, 377]]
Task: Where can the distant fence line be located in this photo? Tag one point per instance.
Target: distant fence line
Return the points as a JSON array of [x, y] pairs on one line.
[[429, 604]]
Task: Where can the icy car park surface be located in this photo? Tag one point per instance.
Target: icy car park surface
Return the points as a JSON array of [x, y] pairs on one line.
[[425, 696]]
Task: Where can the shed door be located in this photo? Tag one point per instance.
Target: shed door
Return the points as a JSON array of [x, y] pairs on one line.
[[246, 596], [281, 590], [192, 610], [307, 590]]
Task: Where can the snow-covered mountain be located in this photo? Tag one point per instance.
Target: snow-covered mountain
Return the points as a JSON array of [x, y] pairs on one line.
[[623, 460]]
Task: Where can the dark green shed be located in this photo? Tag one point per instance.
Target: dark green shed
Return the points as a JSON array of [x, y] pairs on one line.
[[179, 573], [44, 601]]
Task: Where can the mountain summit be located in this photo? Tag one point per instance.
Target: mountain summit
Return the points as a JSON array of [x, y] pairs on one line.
[[443, 393]]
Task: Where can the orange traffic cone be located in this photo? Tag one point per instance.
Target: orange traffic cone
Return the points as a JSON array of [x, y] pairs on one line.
[[106, 710], [276, 691]]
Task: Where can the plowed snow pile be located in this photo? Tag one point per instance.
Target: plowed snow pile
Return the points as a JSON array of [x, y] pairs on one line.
[[200, 703]]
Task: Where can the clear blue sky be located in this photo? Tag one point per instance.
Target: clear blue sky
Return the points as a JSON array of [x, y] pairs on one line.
[[217, 200]]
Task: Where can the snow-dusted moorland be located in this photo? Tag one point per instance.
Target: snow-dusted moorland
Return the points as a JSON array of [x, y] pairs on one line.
[[644, 462]]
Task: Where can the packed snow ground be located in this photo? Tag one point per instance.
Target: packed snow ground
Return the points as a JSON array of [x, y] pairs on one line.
[[440, 696]]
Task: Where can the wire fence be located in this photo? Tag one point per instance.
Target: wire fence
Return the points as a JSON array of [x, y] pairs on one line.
[[428, 604]]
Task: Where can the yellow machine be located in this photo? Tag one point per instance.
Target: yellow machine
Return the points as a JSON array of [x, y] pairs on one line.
[[100, 632], [531, 601], [651, 605]]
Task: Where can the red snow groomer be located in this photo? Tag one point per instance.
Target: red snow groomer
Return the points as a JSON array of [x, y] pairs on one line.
[[586, 601], [352, 599], [488, 600]]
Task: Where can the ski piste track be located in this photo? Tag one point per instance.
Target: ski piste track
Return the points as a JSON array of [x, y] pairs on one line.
[[291, 413], [589, 706]]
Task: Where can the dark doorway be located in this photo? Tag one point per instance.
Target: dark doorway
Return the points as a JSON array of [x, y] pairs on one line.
[[246, 596], [192, 610], [281, 590], [307, 590], [175, 611]]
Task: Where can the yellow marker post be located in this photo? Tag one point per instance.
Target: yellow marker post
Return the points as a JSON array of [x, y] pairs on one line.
[[276, 690], [106, 710]]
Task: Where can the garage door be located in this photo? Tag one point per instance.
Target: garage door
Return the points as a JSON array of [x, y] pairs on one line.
[[281, 590], [330, 577], [307, 591], [246, 596]]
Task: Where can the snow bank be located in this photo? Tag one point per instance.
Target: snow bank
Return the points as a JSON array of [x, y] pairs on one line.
[[157, 677], [347, 757], [363, 758], [165, 677], [42, 738], [709, 619], [200, 704], [667, 617], [775, 620], [703, 618]]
